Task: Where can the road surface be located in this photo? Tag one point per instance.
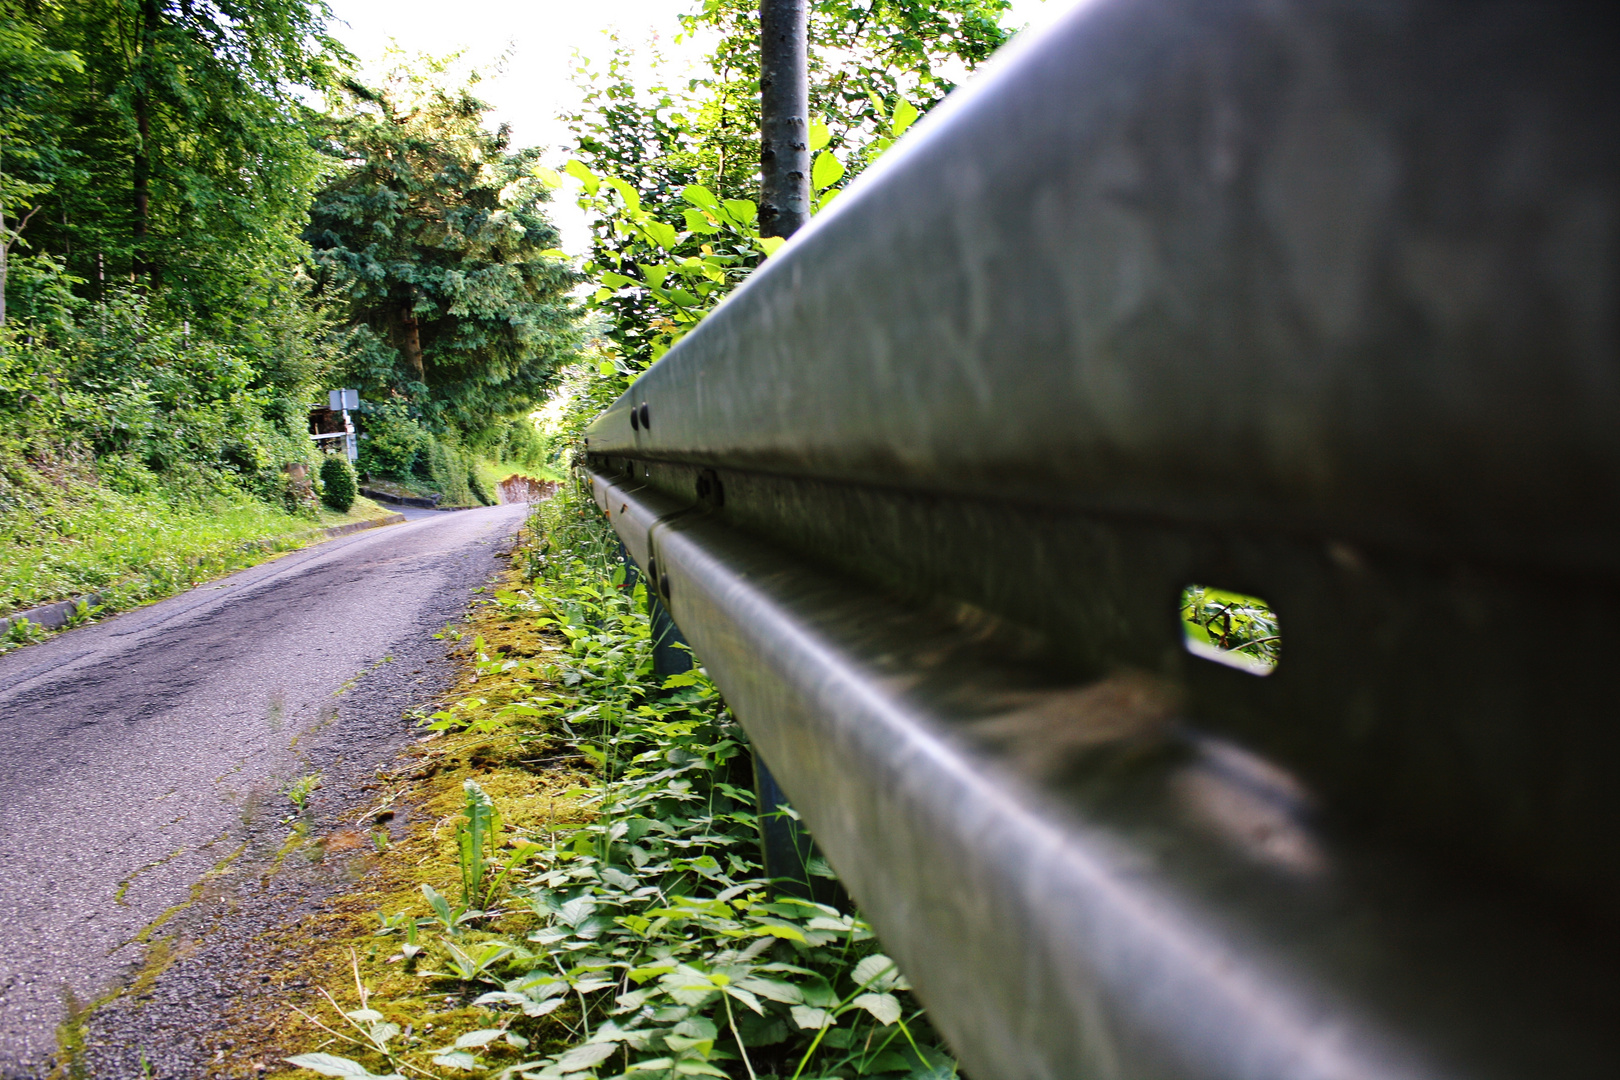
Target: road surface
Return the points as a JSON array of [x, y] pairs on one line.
[[148, 753]]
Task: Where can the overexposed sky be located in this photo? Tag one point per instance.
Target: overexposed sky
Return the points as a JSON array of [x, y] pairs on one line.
[[537, 39]]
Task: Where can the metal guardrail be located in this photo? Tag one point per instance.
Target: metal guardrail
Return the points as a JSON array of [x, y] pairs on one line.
[[1313, 301]]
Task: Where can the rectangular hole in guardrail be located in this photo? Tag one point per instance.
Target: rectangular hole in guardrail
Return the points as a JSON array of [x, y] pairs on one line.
[[1230, 628]]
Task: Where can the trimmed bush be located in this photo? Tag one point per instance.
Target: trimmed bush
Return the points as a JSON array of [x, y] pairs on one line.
[[337, 477]]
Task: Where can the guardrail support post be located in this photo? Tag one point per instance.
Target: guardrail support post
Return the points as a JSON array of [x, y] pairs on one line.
[[786, 846]]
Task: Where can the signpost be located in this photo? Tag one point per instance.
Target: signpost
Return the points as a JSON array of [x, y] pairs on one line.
[[341, 401]]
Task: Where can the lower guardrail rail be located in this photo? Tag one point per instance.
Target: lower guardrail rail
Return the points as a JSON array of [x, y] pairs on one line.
[[1276, 334]]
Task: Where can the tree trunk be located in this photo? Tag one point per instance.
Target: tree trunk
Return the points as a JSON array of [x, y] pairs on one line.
[[784, 101], [141, 102], [408, 339]]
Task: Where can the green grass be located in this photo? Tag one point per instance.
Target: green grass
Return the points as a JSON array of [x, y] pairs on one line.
[[362, 510], [63, 535]]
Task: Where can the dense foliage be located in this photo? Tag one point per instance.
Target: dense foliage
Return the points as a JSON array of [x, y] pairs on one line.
[[166, 144], [680, 163], [636, 935], [167, 327], [431, 241]]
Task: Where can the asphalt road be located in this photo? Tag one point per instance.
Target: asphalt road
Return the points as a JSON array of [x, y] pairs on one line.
[[147, 754]]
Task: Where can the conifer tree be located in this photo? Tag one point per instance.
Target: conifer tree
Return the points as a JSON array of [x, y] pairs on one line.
[[433, 238]]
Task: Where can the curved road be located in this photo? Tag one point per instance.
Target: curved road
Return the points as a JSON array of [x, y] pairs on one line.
[[141, 753]]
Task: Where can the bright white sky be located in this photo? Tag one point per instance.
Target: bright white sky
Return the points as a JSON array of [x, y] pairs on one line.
[[539, 38]]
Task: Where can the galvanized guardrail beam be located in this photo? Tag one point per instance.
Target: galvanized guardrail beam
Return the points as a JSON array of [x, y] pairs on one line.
[[1311, 301]]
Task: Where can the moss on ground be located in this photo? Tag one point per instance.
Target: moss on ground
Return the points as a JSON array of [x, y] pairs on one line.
[[336, 951]]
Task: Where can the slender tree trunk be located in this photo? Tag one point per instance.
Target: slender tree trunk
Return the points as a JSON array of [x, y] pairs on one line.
[[784, 101], [140, 263], [5, 250], [9, 235]]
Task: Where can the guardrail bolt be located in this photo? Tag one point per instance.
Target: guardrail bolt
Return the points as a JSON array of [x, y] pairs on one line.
[[709, 490]]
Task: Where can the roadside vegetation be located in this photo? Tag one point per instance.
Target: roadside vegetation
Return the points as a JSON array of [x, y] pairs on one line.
[[78, 538], [584, 896], [194, 254], [183, 277]]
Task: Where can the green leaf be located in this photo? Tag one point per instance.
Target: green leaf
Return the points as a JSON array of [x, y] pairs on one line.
[[741, 211], [688, 986], [820, 135], [876, 972], [812, 1019], [775, 989], [905, 114], [779, 928], [698, 222], [632, 197], [440, 906], [826, 171], [700, 196], [332, 1065], [818, 992], [663, 235], [746, 998], [578, 171], [456, 1059], [478, 1038], [583, 1057], [499, 997], [885, 1007]]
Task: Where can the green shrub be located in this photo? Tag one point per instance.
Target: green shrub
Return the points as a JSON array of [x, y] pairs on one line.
[[337, 477], [475, 484], [393, 444], [447, 469]]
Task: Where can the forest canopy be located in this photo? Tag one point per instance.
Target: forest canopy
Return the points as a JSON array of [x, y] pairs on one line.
[[162, 164], [210, 214]]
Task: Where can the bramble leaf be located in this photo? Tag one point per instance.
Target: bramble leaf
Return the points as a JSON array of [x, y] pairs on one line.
[[583, 1057], [812, 1019], [885, 1007], [332, 1065]]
